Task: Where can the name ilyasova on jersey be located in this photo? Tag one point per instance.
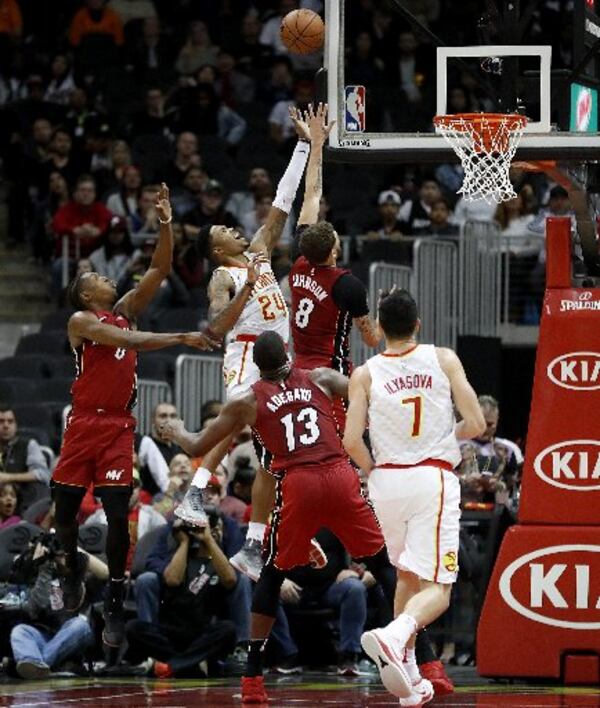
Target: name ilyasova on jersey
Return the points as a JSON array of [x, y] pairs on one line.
[[404, 383], [307, 283], [290, 396]]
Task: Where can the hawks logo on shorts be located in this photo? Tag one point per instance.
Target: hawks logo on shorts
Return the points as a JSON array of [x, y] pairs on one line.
[[229, 376], [449, 562]]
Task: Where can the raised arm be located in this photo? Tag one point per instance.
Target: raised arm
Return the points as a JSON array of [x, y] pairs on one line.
[[268, 235], [136, 301], [226, 307], [331, 382], [356, 419], [234, 416], [313, 188], [465, 398], [86, 326]]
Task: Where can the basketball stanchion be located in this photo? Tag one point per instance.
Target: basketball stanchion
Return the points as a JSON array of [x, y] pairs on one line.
[[541, 616]]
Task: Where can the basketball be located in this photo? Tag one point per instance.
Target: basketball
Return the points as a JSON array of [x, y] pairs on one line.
[[302, 31]]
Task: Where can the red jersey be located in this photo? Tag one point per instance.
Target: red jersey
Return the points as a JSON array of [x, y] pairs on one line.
[[295, 424], [105, 377], [320, 328]]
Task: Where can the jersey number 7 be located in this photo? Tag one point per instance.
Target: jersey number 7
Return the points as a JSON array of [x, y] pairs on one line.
[[309, 417], [416, 401]]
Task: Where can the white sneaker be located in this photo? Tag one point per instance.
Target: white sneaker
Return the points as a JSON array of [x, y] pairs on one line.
[[388, 657], [421, 694]]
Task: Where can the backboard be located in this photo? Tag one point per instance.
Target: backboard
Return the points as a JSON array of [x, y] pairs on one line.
[[478, 56]]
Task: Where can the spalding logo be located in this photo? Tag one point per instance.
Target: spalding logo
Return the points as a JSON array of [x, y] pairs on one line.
[[555, 586], [577, 371], [572, 464]]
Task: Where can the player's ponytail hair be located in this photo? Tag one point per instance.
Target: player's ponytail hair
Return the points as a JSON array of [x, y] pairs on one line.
[[317, 241]]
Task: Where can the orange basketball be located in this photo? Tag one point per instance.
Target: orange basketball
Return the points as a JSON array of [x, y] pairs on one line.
[[302, 31]]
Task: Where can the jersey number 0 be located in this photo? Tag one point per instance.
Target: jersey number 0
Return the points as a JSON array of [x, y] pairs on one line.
[[307, 416]]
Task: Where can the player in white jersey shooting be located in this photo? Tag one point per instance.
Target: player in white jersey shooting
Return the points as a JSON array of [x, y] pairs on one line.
[[245, 300], [406, 394]]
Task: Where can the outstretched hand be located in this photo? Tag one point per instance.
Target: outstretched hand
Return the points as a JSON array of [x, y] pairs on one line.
[[162, 203], [169, 430], [300, 123], [199, 340], [318, 126], [254, 265]]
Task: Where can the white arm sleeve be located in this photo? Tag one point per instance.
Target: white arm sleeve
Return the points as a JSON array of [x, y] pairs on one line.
[[288, 185]]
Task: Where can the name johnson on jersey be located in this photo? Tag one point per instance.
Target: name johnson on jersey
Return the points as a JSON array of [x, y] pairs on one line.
[[307, 283]]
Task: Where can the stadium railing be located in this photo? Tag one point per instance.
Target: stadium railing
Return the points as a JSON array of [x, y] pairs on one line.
[[197, 379]]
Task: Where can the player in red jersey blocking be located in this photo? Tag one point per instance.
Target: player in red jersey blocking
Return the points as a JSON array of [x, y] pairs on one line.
[[98, 442], [290, 412]]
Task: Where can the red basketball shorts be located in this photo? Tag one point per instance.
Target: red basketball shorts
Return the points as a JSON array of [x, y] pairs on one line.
[[97, 449], [310, 498]]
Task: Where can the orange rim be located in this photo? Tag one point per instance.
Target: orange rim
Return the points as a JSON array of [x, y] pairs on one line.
[[466, 120], [491, 131]]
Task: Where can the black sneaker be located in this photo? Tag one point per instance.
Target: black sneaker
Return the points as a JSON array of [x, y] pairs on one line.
[[114, 626], [248, 560], [191, 509], [289, 665], [348, 664], [72, 585]]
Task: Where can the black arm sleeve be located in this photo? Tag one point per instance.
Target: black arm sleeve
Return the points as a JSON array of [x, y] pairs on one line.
[[350, 294]]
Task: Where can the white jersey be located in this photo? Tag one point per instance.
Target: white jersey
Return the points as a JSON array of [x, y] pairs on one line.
[[265, 310], [411, 416]]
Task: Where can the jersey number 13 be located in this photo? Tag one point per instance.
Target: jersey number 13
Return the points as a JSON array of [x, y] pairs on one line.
[[311, 432]]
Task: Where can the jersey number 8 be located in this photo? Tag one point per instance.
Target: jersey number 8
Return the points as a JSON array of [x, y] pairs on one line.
[[309, 417], [305, 307]]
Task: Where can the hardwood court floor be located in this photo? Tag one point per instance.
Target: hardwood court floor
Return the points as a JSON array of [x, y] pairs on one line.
[[310, 691]]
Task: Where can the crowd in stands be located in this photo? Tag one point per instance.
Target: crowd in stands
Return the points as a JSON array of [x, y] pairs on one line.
[[99, 103]]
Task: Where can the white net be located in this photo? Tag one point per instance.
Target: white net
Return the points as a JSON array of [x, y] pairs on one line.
[[486, 146]]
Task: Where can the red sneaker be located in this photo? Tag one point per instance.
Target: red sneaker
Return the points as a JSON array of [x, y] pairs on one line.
[[162, 670], [253, 690], [434, 671]]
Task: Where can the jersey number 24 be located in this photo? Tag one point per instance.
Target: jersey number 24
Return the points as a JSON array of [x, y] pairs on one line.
[[309, 417]]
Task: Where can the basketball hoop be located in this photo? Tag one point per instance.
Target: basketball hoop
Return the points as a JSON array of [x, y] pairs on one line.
[[486, 144]]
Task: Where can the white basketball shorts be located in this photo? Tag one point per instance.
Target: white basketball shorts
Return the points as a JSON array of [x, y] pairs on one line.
[[239, 369], [419, 513]]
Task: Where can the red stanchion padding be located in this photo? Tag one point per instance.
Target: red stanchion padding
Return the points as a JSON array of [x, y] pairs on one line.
[[561, 474], [558, 251], [542, 603]]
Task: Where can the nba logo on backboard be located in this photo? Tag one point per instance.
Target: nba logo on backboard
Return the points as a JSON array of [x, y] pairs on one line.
[[355, 109]]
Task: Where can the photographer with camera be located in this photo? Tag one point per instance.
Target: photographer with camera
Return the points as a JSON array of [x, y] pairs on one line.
[[53, 636], [181, 600]]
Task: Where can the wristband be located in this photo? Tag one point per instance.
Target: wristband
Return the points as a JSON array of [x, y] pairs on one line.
[[304, 140], [168, 221]]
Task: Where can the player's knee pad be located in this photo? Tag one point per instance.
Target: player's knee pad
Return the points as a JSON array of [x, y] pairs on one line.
[[266, 592], [115, 501]]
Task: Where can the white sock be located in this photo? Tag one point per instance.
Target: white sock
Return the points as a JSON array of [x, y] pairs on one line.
[[288, 184], [256, 531], [200, 479], [410, 664], [402, 628]]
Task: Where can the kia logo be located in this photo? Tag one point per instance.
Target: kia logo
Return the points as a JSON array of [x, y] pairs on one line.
[[538, 588], [587, 295], [572, 464], [577, 371]]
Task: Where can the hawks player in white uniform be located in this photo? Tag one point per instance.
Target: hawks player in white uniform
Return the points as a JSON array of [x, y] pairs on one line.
[[406, 396], [245, 300]]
